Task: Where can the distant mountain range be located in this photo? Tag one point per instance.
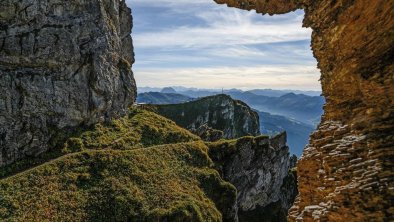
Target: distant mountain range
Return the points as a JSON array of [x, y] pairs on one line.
[[301, 107], [195, 92], [162, 98], [297, 114]]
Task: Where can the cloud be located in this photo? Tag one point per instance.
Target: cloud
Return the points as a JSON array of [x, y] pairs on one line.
[[201, 44], [222, 29]]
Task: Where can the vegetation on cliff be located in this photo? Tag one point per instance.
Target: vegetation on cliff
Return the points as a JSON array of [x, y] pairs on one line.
[[142, 167], [140, 128], [163, 183]]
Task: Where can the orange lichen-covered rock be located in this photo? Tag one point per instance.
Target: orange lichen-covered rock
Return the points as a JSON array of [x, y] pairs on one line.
[[346, 172]]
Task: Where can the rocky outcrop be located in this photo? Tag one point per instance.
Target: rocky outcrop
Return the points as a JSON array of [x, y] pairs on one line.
[[214, 113], [207, 133], [62, 64], [345, 173], [261, 170]]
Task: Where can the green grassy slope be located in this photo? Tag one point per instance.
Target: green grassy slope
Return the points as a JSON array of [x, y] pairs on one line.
[[138, 129], [162, 183]]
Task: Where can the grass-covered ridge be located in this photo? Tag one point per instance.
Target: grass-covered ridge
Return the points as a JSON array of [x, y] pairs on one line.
[[140, 128], [142, 167], [163, 183]]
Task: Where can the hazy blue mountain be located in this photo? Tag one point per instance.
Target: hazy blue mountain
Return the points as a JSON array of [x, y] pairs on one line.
[[199, 93], [278, 93], [306, 109], [196, 92], [297, 132], [168, 90], [162, 98], [148, 89]]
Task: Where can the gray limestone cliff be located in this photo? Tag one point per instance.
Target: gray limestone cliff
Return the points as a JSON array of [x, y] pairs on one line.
[[63, 64], [261, 169], [213, 117]]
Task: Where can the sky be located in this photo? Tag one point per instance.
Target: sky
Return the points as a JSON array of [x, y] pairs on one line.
[[197, 43]]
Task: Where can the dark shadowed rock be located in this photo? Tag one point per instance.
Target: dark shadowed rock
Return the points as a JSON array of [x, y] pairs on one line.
[[62, 64]]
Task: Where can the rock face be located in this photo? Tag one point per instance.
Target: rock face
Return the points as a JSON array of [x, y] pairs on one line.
[[345, 173], [214, 113], [260, 169], [62, 64]]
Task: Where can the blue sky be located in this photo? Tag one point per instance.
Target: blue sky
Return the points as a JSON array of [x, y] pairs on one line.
[[197, 43]]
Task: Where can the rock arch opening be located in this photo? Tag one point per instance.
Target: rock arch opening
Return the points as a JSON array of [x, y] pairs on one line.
[[207, 46], [347, 160]]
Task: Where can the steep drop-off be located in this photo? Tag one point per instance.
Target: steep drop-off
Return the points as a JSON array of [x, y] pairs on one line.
[[261, 169], [141, 167], [211, 114], [137, 129], [346, 172], [62, 64]]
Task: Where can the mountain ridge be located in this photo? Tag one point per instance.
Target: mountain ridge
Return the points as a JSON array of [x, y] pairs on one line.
[[270, 124]]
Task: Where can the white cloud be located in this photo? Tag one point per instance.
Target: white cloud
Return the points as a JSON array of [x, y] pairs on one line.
[[277, 77], [215, 35], [222, 29], [236, 52]]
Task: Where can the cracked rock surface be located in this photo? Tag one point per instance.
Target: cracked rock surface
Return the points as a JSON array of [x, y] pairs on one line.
[[62, 64]]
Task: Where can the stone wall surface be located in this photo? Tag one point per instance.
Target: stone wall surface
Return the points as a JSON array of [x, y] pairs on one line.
[[346, 172], [62, 64]]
